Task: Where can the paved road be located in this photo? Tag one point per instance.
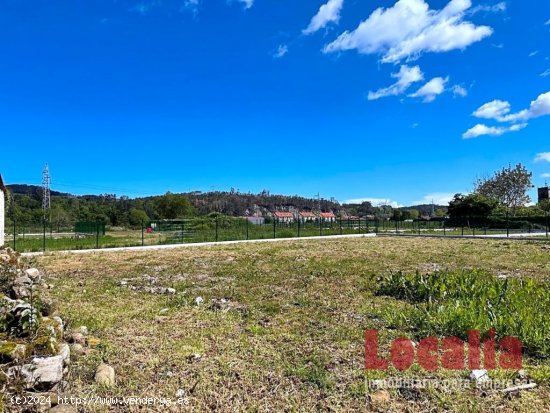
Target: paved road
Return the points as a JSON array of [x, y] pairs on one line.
[[204, 244]]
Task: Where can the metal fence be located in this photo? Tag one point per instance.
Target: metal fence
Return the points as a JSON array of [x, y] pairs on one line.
[[70, 236]]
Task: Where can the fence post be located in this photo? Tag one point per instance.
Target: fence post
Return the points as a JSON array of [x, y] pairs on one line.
[[359, 220], [44, 237], [366, 224], [396, 228], [444, 228], [216, 229], [507, 225], [299, 227], [473, 227], [320, 226], [182, 232], [274, 230], [340, 224], [97, 234], [247, 223], [142, 236]]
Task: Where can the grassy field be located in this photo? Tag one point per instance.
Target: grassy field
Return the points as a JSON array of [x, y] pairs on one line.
[[290, 336]]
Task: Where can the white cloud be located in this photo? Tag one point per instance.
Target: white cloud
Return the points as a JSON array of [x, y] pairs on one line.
[[247, 3], [542, 157], [539, 107], [500, 111], [409, 29], [545, 175], [375, 202], [431, 90], [547, 23], [499, 7], [482, 130], [546, 73], [405, 78], [459, 91], [281, 51], [438, 198], [493, 110], [328, 13], [532, 54]]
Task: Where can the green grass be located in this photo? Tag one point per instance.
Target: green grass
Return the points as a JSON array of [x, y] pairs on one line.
[[293, 339], [451, 303]]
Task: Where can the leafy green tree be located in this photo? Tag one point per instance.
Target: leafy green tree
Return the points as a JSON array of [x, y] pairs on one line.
[[508, 186], [138, 216], [172, 206], [471, 206]]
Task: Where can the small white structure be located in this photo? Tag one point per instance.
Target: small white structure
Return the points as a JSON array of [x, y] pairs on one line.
[[3, 197]]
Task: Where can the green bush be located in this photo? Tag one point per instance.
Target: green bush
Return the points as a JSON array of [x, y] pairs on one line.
[[451, 303]]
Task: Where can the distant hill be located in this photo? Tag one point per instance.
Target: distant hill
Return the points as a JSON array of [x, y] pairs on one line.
[[32, 190]]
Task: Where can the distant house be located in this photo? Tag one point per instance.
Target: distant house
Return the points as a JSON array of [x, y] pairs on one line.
[[328, 216], [307, 216], [283, 217], [3, 198], [256, 220]]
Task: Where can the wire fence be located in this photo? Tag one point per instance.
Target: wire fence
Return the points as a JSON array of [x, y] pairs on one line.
[[95, 235]]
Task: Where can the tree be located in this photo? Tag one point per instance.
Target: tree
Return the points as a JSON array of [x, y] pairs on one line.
[[411, 214], [473, 205], [508, 186], [138, 216], [171, 206], [545, 205]]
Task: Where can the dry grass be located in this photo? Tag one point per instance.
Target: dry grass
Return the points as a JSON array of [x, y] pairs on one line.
[[292, 337]]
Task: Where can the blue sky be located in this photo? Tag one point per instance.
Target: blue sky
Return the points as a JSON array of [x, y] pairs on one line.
[[404, 101]]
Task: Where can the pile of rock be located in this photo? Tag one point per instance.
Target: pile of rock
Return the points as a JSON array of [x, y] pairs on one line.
[[34, 356]]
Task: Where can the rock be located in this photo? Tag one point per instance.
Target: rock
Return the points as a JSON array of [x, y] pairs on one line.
[[77, 349], [24, 280], [380, 397], [522, 374], [65, 353], [21, 287], [105, 375], [199, 301], [171, 291], [194, 357], [42, 372], [78, 338], [12, 351], [82, 330], [164, 311], [479, 376], [33, 274], [180, 393]]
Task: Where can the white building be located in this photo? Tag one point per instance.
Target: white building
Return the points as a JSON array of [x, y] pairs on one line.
[[3, 197]]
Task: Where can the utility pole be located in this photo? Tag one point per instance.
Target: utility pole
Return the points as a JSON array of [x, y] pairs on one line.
[[46, 198]]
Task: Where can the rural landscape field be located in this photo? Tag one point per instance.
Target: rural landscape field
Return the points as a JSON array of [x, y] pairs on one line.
[[281, 325], [275, 206]]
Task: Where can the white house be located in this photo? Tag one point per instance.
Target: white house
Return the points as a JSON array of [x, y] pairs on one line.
[[3, 197]]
